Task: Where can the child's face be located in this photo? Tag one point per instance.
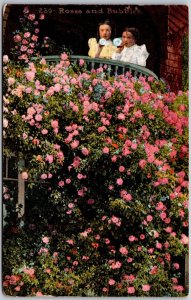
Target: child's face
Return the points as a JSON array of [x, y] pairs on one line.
[[105, 31], [128, 39]]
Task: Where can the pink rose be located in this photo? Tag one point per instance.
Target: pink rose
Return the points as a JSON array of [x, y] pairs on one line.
[[24, 175], [45, 240], [64, 56], [184, 239], [49, 158], [38, 117], [31, 17], [123, 250], [5, 59], [27, 34], [121, 169], [146, 287], [111, 282], [119, 181], [44, 131], [131, 290], [132, 238], [43, 176], [54, 123], [39, 294], [30, 75], [149, 218], [85, 151], [68, 181], [105, 150], [75, 144], [142, 163]]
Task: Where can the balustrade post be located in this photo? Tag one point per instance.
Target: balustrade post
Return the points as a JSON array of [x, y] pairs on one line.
[[21, 191]]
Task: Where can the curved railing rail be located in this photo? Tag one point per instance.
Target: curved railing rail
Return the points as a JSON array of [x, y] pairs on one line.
[[114, 67]]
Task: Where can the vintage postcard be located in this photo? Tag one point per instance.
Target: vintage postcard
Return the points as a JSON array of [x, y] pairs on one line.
[[95, 149]]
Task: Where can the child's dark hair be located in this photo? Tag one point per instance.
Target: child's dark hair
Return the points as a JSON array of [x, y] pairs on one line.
[[134, 31], [105, 22]]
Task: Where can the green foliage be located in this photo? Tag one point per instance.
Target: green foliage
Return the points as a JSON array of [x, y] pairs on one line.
[[106, 178], [185, 63]]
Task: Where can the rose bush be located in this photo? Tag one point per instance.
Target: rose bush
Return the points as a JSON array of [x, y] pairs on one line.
[[107, 158]]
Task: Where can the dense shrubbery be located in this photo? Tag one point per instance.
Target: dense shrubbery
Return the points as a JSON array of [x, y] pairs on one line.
[[109, 214]]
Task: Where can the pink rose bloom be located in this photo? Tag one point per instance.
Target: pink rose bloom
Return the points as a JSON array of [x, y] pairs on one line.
[[149, 218], [11, 80], [70, 242], [176, 266], [142, 236], [159, 206], [42, 16], [132, 238], [184, 239], [64, 56], [174, 280], [110, 187], [60, 155], [116, 265], [158, 245], [70, 205], [146, 287], [131, 290], [127, 197], [54, 123], [45, 240], [49, 158], [30, 75], [178, 288], [39, 294], [121, 169], [105, 150], [75, 144], [134, 146], [17, 38], [85, 151], [81, 62], [119, 181], [163, 215], [114, 219], [38, 117], [28, 90], [123, 250], [17, 288], [121, 116], [68, 180], [138, 114], [142, 163], [156, 234], [31, 17], [61, 183], [129, 259], [25, 136], [34, 38], [90, 201], [111, 282], [43, 176], [24, 175], [5, 59], [44, 131], [101, 129], [27, 34]]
